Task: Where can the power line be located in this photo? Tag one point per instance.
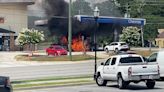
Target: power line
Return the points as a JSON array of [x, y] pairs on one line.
[[156, 23]]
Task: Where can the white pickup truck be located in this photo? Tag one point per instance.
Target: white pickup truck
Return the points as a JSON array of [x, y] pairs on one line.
[[127, 68]]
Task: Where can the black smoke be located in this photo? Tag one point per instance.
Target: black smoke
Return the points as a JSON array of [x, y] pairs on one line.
[[55, 8], [57, 12]]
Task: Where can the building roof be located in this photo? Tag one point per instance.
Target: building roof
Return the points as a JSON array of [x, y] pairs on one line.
[[161, 35], [5, 31], [28, 2], [113, 20]]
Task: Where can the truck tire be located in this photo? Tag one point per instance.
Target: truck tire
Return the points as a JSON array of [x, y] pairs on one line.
[[162, 78], [150, 84], [100, 81], [121, 83]]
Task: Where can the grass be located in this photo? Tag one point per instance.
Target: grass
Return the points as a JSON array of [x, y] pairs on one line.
[[52, 58], [145, 53], [41, 85], [52, 78], [53, 81]]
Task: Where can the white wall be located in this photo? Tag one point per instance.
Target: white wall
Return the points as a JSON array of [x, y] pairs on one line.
[[15, 16]]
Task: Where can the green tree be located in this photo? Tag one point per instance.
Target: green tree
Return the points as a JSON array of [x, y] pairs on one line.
[[131, 35], [151, 10], [81, 7], [30, 37], [154, 14]]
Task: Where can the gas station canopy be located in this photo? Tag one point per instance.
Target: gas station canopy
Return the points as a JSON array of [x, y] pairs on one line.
[[113, 20]]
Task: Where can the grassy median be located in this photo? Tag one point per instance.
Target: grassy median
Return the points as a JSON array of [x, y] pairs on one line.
[[53, 58], [53, 82]]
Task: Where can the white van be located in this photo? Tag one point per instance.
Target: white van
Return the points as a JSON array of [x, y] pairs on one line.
[[159, 58]]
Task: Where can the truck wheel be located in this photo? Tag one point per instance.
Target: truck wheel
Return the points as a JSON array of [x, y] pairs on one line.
[[162, 78], [100, 81], [121, 83], [150, 84]]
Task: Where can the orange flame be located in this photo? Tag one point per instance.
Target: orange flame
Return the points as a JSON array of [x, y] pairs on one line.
[[77, 43]]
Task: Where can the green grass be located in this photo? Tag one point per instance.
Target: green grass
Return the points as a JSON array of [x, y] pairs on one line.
[[52, 78], [53, 81], [78, 82], [52, 58], [144, 53]]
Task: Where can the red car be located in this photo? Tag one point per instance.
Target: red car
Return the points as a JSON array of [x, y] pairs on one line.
[[56, 50]]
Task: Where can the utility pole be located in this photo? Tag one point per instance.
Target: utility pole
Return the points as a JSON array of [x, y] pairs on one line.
[[142, 38], [128, 10], [70, 30]]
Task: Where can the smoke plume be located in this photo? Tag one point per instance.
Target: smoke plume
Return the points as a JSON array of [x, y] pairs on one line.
[[55, 8], [58, 25]]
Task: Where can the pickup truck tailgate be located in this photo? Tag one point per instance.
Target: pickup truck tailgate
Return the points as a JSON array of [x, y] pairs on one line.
[[145, 69]]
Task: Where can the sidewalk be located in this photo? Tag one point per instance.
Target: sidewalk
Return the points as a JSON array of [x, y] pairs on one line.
[[7, 59]]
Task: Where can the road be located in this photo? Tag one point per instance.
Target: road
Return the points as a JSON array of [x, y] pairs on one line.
[[56, 69], [111, 87], [19, 70]]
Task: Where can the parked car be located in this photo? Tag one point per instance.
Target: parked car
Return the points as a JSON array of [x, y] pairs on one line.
[[5, 85], [117, 46], [158, 57], [127, 68], [98, 48], [56, 50]]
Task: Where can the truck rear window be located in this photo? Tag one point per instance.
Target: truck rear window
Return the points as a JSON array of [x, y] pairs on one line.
[[131, 60]]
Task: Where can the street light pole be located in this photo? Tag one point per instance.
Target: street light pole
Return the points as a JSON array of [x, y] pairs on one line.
[[96, 16], [70, 30], [141, 12]]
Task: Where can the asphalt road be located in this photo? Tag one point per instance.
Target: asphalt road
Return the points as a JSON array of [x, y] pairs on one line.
[[111, 87], [58, 69], [20, 70]]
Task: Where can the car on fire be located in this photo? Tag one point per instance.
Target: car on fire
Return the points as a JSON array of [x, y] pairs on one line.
[[56, 50]]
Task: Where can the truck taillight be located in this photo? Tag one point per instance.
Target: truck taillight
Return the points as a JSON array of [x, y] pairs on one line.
[[158, 69], [130, 71]]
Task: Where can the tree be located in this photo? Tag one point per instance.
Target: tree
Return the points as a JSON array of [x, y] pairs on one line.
[[131, 35], [151, 10], [108, 8], [81, 7], [30, 37]]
